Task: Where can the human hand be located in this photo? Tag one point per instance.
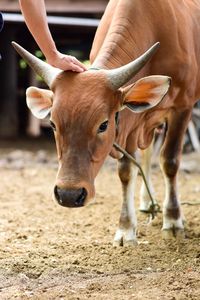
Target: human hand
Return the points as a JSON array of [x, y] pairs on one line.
[[66, 62]]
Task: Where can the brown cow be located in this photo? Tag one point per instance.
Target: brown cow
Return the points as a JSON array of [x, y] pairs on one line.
[[83, 106]]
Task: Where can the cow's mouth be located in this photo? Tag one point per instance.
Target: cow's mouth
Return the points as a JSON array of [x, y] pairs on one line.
[[70, 197]]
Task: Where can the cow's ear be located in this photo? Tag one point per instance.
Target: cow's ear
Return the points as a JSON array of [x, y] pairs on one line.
[[39, 101], [146, 93]]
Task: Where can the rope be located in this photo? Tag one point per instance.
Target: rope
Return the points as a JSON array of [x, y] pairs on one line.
[[190, 203], [154, 207]]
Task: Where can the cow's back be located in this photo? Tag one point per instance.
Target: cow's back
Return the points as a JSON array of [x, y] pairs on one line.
[[129, 27]]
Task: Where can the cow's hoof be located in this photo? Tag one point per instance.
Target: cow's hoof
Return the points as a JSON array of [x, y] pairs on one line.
[[173, 233], [179, 234], [131, 243], [167, 234], [118, 243], [124, 243], [125, 237]]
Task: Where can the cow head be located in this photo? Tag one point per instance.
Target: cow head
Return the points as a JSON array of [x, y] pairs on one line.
[[82, 109]]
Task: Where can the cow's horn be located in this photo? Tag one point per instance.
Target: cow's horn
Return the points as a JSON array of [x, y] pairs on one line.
[[120, 76], [47, 72]]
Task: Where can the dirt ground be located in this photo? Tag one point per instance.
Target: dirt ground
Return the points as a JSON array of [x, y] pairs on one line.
[[51, 252]]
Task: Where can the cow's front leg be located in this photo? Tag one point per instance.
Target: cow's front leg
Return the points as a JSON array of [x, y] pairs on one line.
[[170, 160], [126, 233]]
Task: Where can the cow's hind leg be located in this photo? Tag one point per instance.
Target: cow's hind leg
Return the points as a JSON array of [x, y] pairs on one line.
[[170, 160], [126, 233], [145, 200]]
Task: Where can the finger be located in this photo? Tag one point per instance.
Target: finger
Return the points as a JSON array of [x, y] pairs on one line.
[[76, 68], [75, 61], [81, 65]]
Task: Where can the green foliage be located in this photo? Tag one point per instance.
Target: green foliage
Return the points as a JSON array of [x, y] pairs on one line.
[[22, 64], [87, 63]]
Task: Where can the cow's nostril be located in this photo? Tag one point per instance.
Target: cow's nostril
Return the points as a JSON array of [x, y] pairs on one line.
[[81, 198], [56, 193], [70, 197]]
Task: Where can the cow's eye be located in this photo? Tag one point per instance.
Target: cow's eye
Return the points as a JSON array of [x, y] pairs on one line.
[[53, 126], [103, 127]]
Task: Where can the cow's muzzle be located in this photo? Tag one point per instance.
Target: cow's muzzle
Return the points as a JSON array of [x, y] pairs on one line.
[[70, 197]]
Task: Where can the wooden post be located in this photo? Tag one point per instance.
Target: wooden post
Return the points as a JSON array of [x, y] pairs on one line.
[[8, 85], [194, 136]]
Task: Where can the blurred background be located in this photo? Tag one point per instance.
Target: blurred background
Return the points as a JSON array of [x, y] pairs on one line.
[[72, 23]]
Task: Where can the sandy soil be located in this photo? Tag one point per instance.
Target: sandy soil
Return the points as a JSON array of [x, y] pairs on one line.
[[51, 252]]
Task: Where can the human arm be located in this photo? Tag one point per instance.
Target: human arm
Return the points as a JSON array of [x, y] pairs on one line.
[[34, 13]]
